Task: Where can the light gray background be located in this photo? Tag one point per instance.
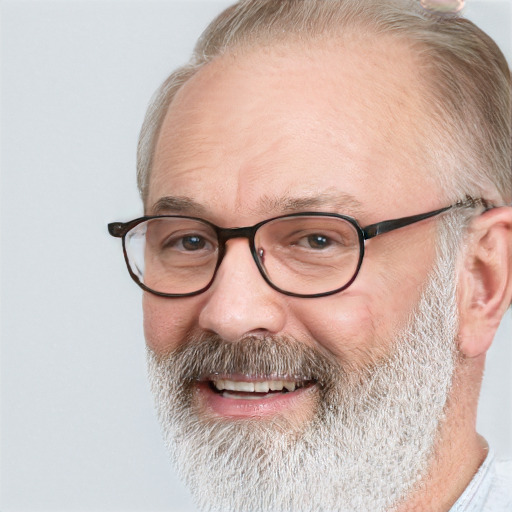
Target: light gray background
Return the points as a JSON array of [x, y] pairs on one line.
[[78, 429]]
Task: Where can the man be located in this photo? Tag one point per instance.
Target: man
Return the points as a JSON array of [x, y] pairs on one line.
[[326, 256]]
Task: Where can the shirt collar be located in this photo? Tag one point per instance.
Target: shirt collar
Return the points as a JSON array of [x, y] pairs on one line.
[[476, 493]]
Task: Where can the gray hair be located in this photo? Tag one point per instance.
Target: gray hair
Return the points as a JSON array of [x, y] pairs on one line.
[[468, 81]]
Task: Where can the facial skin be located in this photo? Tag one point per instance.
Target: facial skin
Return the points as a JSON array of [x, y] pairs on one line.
[[251, 138], [270, 132]]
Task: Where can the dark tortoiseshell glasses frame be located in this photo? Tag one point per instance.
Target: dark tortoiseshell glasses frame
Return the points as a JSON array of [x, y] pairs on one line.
[[121, 229]]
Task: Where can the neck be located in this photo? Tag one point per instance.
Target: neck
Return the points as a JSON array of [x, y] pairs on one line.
[[459, 451]]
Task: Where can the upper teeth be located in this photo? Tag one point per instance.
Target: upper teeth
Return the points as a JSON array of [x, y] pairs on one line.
[[255, 387]]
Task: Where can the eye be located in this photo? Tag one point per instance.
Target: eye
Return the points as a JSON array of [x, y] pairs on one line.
[[188, 243], [316, 241], [193, 242]]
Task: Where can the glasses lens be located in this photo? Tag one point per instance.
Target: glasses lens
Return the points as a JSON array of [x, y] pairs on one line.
[[172, 255], [308, 255]]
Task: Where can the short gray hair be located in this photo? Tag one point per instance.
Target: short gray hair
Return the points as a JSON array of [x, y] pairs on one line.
[[468, 80]]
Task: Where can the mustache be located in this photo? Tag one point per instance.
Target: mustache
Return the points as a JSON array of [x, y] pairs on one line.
[[206, 355]]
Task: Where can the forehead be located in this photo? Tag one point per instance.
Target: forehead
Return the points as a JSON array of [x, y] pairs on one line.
[[339, 121]]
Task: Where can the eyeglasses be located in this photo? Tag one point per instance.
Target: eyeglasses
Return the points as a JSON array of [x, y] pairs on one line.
[[307, 254]]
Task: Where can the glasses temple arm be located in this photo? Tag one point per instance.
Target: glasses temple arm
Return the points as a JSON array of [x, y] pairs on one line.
[[390, 225]]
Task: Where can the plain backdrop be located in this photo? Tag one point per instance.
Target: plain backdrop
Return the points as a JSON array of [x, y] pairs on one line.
[[78, 431]]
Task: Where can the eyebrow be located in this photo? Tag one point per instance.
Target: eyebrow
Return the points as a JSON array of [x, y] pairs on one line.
[[336, 201], [178, 204], [332, 202]]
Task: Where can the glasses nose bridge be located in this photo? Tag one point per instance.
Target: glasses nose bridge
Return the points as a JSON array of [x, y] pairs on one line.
[[226, 234]]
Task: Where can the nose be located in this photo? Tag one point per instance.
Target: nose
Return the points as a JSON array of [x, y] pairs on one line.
[[239, 302]]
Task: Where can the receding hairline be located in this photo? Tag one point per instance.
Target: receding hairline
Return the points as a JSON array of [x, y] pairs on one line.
[[469, 79], [293, 44]]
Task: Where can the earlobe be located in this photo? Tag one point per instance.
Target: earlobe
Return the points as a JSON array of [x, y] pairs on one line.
[[485, 280]]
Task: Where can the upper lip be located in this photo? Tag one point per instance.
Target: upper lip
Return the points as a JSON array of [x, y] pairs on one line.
[[240, 377]]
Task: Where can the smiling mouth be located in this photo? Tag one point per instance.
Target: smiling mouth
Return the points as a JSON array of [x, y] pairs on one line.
[[256, 389]]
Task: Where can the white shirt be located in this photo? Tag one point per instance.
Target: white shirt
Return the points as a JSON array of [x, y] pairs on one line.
[[490, 490]]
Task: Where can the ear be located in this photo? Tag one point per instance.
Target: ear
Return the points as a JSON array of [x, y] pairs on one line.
[[485, 281]]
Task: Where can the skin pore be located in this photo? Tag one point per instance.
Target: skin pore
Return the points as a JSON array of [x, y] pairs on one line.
[[272, 131]]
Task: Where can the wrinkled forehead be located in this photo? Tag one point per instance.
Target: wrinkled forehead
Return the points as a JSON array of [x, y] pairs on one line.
[[346, 116]]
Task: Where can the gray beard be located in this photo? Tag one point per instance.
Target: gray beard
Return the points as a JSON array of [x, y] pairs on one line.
[[372, 436]]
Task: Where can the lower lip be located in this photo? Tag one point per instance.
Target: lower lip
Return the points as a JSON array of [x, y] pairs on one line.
[[277, 403]]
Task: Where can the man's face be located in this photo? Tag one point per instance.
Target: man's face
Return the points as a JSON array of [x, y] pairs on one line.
[[273, 132], [267, 134]]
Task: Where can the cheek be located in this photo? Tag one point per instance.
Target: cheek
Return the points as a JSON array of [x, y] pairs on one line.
[[361, 323], [167, 322], [344, 326], [397, 270]]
